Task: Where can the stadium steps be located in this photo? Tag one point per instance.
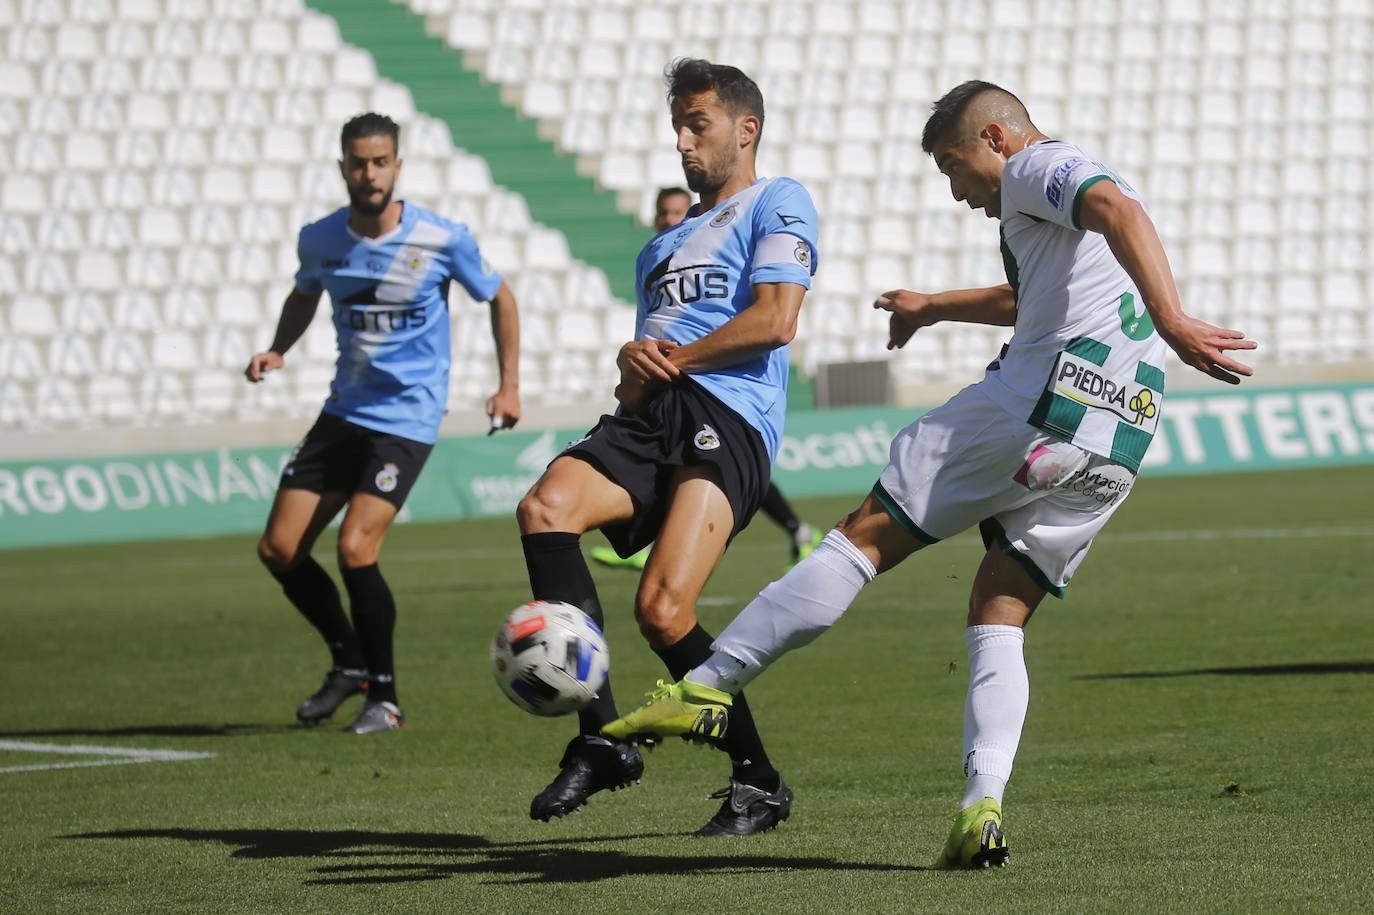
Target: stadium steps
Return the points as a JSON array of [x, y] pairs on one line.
[[481, 123]]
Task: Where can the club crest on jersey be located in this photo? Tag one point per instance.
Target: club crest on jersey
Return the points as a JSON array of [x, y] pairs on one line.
[[803, 254], [724, 217], [387, 478], [415, 260], [706, 439]]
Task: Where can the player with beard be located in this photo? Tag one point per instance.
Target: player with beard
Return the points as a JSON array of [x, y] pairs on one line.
[[387, 266], [685, 461], [670, 208]]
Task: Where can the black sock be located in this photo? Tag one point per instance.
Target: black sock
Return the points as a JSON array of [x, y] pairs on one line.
[[312, 592], [748, 759], [778, 509], [558, 572], [374, 618]]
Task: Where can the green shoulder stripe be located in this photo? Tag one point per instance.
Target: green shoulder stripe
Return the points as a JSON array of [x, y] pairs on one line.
[[1078, 197]]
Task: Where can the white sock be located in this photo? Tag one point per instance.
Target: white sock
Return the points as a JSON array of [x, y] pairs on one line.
[[791, 612], [998, 694]]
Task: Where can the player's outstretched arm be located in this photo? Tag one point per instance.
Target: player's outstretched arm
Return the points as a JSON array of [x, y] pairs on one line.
[[504, 406], [911, 311], [296, 314], [1135, 243], [770, 322]]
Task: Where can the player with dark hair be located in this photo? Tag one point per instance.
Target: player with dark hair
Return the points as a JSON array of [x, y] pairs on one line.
[[387, 266], [685, 461], [670, 208], [1040, 454]]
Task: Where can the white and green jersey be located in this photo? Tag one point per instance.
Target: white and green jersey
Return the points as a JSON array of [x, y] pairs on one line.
[[1084, 362]]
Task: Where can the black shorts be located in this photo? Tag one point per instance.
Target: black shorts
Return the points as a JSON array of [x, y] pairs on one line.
[[339, 456], [682, 426]]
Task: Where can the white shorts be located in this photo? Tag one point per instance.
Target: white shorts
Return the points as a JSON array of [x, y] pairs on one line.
[[971, 462]]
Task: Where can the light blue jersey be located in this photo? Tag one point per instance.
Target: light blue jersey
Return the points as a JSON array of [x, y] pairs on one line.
[[694, 277], [390, 297]]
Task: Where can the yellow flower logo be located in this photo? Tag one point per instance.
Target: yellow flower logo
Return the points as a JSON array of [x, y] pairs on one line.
[[1144, 406]]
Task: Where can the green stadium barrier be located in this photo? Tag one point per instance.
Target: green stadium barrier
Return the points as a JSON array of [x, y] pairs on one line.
[[824, 453]]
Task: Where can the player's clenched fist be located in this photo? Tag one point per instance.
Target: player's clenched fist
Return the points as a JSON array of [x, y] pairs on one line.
[[261, 364], [646, 361]]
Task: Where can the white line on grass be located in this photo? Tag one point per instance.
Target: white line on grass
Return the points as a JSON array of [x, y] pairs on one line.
[[125, 756]]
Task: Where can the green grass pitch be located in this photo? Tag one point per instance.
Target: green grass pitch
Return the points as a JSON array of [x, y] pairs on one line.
[[1199, 734]]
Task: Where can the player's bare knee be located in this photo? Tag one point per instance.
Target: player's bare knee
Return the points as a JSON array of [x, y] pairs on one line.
[[544, 508], [276, 555], [661, 617], [357, 549]]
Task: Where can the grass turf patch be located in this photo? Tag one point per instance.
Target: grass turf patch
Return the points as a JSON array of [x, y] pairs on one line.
[[1195, 735]]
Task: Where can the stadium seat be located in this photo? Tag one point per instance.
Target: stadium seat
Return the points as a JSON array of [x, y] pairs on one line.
[[125, 194]]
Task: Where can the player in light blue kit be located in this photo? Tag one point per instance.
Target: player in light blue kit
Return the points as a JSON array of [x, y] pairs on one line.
[[387, 266], [686, 460]]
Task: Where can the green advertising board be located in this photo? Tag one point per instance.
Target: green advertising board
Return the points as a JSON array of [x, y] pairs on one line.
[[824, 452]]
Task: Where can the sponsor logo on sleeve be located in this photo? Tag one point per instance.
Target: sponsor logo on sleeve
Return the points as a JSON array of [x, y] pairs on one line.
[[1054, 191], [788, 220], [803, 254]]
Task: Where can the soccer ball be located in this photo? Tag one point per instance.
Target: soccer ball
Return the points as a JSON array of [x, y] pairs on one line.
[[549, 658]]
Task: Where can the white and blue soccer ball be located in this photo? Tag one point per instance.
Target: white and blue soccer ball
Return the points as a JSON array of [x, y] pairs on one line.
[[549, 658]]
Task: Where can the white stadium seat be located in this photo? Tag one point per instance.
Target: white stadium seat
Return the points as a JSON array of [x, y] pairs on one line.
[[158, 157]]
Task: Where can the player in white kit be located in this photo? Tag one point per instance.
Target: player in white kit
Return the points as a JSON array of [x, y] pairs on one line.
[[1039, 454]]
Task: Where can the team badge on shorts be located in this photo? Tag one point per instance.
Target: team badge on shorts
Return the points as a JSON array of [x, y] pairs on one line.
[[387, 478], [289, 469], [706, 439]]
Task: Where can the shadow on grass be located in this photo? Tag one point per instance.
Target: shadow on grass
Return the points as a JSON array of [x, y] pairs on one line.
[[1269, 670], [445, 855], [161, 730]]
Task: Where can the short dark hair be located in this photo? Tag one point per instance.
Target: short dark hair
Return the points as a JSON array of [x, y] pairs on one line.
[[950, 107], [672, 192], [370, 125], [737, 92]]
